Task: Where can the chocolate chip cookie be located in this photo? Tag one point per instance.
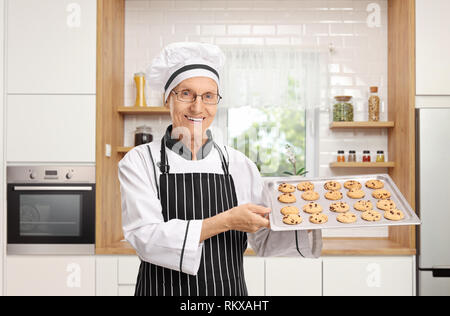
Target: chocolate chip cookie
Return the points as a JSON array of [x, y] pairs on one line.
[[318, 219], [371, 216], [290, 210], [363, 206], [386, 205], [292, 219], [332, 186], [334, 195], [305, 186], [310, 196], [339, 207], [347, 218], [287, 198], [312, 208], [356, 194], [375, 184], [394, 215], [286, 188], [352, 184], [381, 194]]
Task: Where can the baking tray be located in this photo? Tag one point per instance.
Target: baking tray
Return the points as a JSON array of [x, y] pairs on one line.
[[276, 218]]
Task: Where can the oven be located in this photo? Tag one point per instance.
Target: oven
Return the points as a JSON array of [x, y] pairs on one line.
[[51, 210]]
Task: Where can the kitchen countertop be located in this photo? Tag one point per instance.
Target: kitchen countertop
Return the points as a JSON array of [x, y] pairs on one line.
[[331, 247]]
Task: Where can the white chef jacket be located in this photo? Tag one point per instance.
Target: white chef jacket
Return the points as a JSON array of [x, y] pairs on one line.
[[161, 243]]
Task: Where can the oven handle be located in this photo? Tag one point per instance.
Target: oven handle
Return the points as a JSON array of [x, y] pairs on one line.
[[52, 188]]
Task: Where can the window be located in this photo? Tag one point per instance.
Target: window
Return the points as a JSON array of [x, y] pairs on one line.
[[271, 100]]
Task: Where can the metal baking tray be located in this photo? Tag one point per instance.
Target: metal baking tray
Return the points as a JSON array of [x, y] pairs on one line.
[[276, 218]]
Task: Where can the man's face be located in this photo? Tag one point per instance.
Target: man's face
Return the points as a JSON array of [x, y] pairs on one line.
[[192, 117]]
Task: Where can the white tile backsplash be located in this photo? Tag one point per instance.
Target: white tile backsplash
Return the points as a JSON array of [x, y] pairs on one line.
[[359, 59]]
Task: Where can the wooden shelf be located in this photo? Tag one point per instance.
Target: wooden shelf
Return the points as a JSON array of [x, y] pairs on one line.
[[143, 111], [348, 125], [362, 165], [124, 150]]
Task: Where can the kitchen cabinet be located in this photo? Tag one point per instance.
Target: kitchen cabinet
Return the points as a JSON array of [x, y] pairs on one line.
[[51, 128], [50, 276], [293, 277], [432, 47], [254, 271], [51, 46], [369, 276]]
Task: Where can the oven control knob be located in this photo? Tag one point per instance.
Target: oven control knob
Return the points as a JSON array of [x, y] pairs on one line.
[[69, 175], [33, 175]]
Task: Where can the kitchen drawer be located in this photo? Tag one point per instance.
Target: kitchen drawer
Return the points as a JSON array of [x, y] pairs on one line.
[[51, 46], [51, 128], [293, 277], [50, 276], [368, 276], [128, 268]]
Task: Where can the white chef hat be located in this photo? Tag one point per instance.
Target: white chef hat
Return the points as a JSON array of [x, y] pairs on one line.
[[184, 60]]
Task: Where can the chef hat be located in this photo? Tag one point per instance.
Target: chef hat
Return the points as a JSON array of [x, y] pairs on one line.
[[184, 60]]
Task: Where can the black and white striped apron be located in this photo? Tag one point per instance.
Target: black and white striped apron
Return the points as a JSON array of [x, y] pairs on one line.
[[196, 196]]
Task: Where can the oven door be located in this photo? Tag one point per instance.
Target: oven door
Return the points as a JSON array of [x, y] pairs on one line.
[[51, 214]]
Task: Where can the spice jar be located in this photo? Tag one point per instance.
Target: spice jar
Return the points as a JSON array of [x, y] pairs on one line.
[[380, 156], [352, 156], [374, 105], [341, 156], [366, 156], [143, 135], [343, 109]]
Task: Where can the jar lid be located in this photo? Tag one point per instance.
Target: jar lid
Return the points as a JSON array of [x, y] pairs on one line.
[[144, 128], [352, 152], [139, 74], [380, 152], [341, 152], [374, 89], [343, 98], [366, 151]]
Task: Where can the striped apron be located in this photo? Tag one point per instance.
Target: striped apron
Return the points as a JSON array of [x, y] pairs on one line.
[[196, 196]]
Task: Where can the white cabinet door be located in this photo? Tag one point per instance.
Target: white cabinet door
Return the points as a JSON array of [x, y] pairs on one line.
[[368, 276], [51, 46], [50, 276], [254, 275], [51, 128], [432, 47], [293, 277]]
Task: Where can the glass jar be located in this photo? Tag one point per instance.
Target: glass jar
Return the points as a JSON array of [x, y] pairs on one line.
[[374, 105], [380, 156], [343, 109], [341, 156], [143, 135], [366, 156], [352, 156], [139, 79]]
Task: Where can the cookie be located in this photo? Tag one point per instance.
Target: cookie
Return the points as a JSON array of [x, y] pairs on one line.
[[375, 184], [305, 186], [292, 219], [332, 186], [310, 196], [287, 198], [356, 194], [318, 219], [339, 207], [312, 208], [347, 218], [286, 188], [386, 205], [394, 215], [334, 195], [381, 194], [290, 210], [371, 216], [352, 184], [363, 206]]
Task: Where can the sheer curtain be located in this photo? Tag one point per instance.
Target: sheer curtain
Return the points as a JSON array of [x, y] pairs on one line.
[[270, 95]]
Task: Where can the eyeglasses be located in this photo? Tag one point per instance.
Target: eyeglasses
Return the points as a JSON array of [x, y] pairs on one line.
[[189, 96]]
